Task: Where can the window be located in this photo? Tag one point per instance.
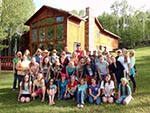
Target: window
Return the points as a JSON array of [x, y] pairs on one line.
[[35, 24], [34, 47], [43, 22], [50, 20], [59, 30], [50, 32], [42, 34], [59, 46], [50, 46], [59, 18], [34, 35]]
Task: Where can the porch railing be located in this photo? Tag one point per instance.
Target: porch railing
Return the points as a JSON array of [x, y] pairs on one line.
[[6, 62]]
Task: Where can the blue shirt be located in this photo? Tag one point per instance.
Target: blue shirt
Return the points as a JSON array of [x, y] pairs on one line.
[[123, 90], [82, 87], [62, 85], [69, 70], [94, 89]]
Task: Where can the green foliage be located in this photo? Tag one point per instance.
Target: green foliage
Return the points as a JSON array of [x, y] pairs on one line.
[[13, 14], [130, 24], [140, 104], [80, 13]]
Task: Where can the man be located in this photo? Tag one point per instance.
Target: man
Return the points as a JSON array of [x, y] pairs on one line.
[[79, 51]]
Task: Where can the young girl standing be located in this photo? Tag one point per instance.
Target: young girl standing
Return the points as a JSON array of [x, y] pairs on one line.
[[40, 84], [51, 91], [25, 89]]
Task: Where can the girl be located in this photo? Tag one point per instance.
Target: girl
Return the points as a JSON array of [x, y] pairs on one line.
[[132, 69], [72, 86], [40, 84], [25, 90], [46, 66], [107, 87], [94, 92], [70, 69], [124, 92], [56, 70], [81, 93], [51, 91], [62, 87], [33, 69]]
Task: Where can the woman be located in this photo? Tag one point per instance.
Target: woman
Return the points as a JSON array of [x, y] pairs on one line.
[[132, 69], [124, 92], [62, 87], [94, 92], [72, 86], [45, 68], [25, 89], [63, 61], [89, 70], [107, 87], [102, 67], [17, 58], [118, 70], [22, 68], [51, 91], [81, 93], [125, 61], [40, 85]]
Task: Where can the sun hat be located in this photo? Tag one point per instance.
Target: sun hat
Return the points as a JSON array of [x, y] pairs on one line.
[[54, 51], [124, 79], [45, 51]]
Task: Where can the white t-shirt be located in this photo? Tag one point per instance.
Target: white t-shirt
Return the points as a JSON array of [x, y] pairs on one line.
[[125, 64], [107, 87], [26, 89]]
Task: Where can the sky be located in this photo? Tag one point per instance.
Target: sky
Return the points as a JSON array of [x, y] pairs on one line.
[[99, 6]]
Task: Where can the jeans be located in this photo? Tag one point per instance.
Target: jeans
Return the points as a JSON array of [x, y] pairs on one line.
[[97, 101], [71, 96], [120, 101], [133, 81], [19, 80], [15, 81], [61, 96], [81, 96]]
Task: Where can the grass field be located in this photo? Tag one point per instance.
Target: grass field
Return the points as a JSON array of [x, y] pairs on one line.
[[140, 104]]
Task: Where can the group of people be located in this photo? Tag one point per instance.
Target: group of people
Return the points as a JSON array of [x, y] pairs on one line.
[[98, 77]]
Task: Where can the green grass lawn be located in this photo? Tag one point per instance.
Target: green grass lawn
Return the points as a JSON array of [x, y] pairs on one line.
[[140, 104]]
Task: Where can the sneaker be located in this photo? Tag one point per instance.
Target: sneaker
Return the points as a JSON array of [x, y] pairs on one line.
[[81, 106], [78, 105]]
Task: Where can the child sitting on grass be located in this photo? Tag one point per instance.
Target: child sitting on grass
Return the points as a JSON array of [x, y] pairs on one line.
[[51, 91], [39, 83], [124, 92], [25, 89]]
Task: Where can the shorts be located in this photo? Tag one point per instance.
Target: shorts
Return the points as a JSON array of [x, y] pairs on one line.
[[25, 95], [38, 92]]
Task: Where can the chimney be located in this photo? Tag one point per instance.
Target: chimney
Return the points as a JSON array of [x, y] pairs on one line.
[[90, 23]]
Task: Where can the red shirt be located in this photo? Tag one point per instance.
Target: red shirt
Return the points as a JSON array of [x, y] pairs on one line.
[[79, 53], [72, 85]]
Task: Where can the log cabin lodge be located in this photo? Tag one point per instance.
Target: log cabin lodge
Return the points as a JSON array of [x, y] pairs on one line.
[[55, 28]]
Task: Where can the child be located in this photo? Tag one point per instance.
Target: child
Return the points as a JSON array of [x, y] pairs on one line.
[[51, 91], [107, 87], [46, 66], [124, 92], [70, 69], [81, 93], [94, 92], [40, 84], [72, 86], [25, 89], [62, 87]]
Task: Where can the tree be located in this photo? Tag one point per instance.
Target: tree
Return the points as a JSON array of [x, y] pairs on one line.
[[13, 14], [80, 13]]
